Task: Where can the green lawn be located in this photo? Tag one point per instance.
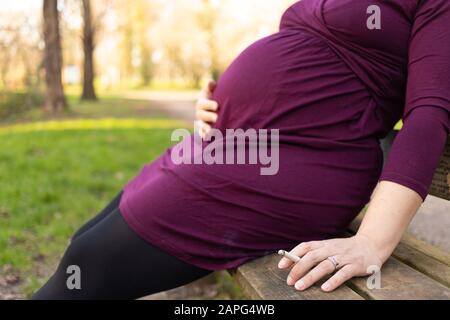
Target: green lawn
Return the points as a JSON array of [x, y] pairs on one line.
[[109, 106], [52, 181]]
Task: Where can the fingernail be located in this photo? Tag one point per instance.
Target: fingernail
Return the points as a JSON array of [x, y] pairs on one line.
[[299, 285], [326, 286], [282, 264], [290, 281]]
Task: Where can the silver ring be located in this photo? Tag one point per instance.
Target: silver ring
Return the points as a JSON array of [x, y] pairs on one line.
[[333, 260]]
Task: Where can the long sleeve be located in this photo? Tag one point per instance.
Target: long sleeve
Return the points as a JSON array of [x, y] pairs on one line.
[[419, 145]]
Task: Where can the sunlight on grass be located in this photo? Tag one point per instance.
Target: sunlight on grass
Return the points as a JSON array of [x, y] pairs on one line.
[[54, 181], [93, 124]]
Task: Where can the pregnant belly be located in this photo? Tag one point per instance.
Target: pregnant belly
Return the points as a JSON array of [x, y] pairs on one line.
[[291, 79], [243, 88]]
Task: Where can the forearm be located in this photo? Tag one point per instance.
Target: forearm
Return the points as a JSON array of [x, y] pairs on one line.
[[388, 215], [406, 177]]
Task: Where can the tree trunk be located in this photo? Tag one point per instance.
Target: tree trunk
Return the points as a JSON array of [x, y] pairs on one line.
[[54, 100], [88, 48]]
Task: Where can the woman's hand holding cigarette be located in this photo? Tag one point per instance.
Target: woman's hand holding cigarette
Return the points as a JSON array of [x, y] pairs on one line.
[[309, 261]]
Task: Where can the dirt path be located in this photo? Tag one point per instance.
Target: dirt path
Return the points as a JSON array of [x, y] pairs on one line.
[[178, 105]]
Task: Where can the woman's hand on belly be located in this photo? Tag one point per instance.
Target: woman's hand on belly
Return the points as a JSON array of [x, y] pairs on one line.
[[356, 256], [206, 109]]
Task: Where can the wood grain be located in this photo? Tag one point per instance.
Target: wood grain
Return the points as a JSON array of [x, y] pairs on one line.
[[401, 282], [261, 279]]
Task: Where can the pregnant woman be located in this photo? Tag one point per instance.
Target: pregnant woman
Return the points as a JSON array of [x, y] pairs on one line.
[[334, 80]]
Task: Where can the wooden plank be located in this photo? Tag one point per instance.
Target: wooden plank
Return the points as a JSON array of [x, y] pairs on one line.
[[423, 263], [262, 280], [427, 248], [401, 282]]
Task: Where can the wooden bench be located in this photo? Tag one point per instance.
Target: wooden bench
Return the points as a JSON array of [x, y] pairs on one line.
[[416, 270]]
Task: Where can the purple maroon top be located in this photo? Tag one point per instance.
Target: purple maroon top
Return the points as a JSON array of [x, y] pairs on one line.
[[333, 87]]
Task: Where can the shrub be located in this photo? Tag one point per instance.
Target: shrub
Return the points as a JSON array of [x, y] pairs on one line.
[[15, 103]]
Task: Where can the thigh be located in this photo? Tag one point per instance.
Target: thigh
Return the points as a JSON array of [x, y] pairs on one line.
[[110, 207], [115, 263]]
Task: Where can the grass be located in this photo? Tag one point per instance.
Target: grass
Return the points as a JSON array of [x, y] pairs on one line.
[[93, 124], [109, 105], [52, 181]]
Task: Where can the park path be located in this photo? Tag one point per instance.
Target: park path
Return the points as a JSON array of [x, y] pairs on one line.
[[431, 223], [179, 105]]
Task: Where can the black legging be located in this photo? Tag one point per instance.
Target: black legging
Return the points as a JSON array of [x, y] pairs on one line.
[[115, 263]]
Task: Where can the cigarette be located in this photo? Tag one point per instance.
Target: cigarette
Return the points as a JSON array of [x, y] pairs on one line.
[[288, 255]]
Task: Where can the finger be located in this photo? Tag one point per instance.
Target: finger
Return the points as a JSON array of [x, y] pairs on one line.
[[299, 251], [199, 127], [208, 89], [211, 87], [206, 116], [324, 268], [309, 260], [206, 128], [344, 274], [205, 104]]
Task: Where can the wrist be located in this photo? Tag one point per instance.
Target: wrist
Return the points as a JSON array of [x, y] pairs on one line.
[[382, 249]]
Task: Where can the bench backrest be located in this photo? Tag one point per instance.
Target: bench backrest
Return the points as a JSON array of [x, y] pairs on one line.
[[441, 180]]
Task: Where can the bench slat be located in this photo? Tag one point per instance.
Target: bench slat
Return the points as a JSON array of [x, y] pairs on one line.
[[261, 279], [427, 248], [423, 263], [401, 282]]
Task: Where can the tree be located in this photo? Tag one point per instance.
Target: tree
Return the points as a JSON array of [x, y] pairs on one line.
[[136, 52], [54, 99], [88, 50], [143, 19], [207, 20]]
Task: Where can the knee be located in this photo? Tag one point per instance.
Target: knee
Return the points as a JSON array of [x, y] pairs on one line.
[[77, 255]]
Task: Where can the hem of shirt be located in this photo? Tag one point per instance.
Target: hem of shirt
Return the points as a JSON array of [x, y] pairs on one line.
[[405, 181], [168, 247]]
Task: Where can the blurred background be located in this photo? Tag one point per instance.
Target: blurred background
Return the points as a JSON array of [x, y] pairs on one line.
[[110, 45], [90, 90]]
